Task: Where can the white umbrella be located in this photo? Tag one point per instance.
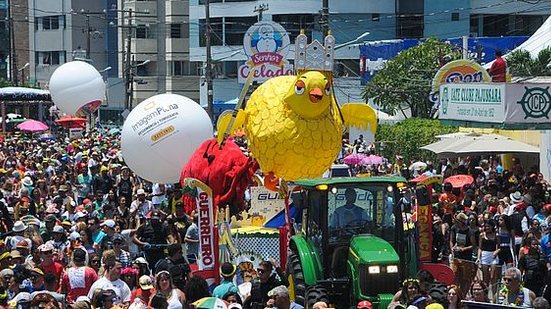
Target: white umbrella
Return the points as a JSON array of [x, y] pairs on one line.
[[452, 144], [481, 146]]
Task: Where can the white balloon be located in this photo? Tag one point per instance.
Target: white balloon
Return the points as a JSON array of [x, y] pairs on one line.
[[160, 135], [77, 88]]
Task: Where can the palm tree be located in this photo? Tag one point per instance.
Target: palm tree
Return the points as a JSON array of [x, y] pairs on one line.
[[521, 64]]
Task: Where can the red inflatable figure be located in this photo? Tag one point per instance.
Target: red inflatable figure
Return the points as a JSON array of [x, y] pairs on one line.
[[226, 170]]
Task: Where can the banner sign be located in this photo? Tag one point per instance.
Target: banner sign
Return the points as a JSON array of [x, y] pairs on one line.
[[267, 44], [424, 222], [501, 105], [477, 102], [457, 71], [265, 204], [206, 259]]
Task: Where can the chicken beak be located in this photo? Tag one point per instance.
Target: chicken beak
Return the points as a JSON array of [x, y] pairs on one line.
[[316, 95]]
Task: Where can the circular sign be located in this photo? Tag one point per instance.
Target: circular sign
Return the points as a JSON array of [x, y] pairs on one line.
[[266, 37], [460, 71]]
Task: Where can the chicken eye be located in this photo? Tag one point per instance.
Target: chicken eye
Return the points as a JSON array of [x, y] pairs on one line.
[[328, 89], [299, 87]]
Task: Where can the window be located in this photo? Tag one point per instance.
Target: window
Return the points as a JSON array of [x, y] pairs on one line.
[[375, 17], [216, 34], [294, 23], [236, 28], [176, 31], [455, 16], [183, 68], [50, 57], [410, 26], [50, 22], [145, 32]]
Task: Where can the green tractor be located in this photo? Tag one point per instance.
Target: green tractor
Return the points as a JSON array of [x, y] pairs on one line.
[[344, 255]]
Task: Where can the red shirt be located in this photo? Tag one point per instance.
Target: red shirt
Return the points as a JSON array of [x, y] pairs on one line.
[[498, 71], [77, 281], [55, 268], [145, 295]]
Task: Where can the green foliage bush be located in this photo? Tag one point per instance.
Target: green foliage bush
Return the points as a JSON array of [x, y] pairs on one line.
[[406, 137]]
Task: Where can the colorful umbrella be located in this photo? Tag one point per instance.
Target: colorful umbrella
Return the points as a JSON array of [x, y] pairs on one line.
[[210, 303], [372, 159], [354, 158], [458, 181], [68, 121], [32, 126]]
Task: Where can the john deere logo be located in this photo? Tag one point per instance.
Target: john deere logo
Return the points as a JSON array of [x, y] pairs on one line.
[[536, 102]]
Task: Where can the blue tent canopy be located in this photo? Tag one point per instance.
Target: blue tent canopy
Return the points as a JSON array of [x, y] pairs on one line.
[[279, 219]]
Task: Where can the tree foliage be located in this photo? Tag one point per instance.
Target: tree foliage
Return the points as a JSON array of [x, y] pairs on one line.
[[406, 137], [405, 80], [521, 63]]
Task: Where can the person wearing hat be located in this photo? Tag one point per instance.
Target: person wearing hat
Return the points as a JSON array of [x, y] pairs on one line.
[[144, 291], [48, 264], [77, 280], [59, 239], [5, 260], [141, 206], [104, 239], [37, 280], [122, 255], [66, 200], [227, 271], [519, 218], [364, 304], [279, 297], [18, 230], [44, 300], [49, 222], [103, 181], [25, 205]]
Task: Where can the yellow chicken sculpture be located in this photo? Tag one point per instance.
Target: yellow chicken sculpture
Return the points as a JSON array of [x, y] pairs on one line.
[[294, 126]]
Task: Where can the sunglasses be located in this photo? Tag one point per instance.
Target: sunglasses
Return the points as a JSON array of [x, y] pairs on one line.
[[260, 270], [46, 252], [507, 279], [95, 261], [118, 243]]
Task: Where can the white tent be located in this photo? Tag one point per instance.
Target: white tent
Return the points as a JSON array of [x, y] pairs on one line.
[[479, 144], [540, 40]]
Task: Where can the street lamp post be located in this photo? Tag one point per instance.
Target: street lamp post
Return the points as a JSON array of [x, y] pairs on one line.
[[22, 70], [130, 88], [356, 40]]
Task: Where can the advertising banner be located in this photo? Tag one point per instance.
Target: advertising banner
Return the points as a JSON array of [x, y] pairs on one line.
[[266, 44], [473, 102], [207, 250], [497, 105]]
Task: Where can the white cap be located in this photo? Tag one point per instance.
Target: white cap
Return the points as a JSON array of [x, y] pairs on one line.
[[109, 223]]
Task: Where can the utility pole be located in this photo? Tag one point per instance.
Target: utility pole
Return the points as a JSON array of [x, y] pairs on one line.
[[13, 53], [128, 64], [88, 31], [260, 9], [208, 64], [325, 17]]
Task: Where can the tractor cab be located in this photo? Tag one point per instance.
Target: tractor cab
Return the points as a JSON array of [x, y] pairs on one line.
[[353, 245]]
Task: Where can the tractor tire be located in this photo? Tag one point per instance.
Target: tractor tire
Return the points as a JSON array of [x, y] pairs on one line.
[[315, 294], [296, 278], [439, 292]]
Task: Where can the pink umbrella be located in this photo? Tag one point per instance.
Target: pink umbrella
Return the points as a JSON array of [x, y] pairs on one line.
[[32, 126], [372, 159], [354, 158]]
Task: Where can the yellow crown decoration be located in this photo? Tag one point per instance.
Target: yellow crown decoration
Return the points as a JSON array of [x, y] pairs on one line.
[[314, 56]]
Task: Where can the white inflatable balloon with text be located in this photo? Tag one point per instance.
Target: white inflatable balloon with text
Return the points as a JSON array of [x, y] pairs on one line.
[[77, 88], [160, 135]]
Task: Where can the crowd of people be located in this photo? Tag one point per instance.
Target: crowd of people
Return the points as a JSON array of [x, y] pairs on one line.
[[81, 230]]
